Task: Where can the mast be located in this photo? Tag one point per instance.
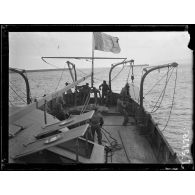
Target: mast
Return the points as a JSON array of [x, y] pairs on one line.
[[92, 68]]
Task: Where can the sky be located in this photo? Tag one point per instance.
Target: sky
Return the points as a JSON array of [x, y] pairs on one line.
[[153, 48]]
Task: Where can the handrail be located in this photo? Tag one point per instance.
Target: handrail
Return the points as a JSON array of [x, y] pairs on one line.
[[174, 64]]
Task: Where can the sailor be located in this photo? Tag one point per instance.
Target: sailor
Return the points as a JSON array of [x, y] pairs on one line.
[[58, 110], [68, 95], [69, 90], [125, 91], [96, 124], [85, 90], [105, 91], [122, 108]]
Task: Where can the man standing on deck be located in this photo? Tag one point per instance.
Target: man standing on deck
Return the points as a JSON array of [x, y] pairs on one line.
[[96, 124], [58, 110], [125, 91], [68, 95], [105, 91], [121, 107], [85, 92]]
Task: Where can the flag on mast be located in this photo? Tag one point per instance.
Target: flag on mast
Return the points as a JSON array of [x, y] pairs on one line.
[[104, 42]]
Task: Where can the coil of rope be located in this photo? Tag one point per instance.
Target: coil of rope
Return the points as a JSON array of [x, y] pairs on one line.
[[113, 145]]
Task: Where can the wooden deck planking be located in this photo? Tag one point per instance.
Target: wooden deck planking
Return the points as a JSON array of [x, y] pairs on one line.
[[136, 146], [112, 124]]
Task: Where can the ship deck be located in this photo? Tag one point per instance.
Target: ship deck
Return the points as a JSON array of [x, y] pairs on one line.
[[134, 146]]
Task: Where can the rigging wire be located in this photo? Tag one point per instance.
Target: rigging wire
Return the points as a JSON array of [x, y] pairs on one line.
[[18, 89], [156, 82], [11, 103], [60, 78], [128, 74], [49, 63], [162, 94], [17, 94], [118, 73], [172, 102]]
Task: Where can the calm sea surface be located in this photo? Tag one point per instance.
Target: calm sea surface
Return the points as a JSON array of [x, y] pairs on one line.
[[179, 129]]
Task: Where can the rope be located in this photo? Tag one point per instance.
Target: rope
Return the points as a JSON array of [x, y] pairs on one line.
[[172, 102], [86, 103], [128, 74], [17, 94], [118, 73], [162, 94], [93, 77], [156, 83], [11, 103], [49, 63], [60, 79], [18, 88], [114, 146]]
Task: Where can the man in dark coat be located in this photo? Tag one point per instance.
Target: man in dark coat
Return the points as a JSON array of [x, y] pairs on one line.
[[105, 90]]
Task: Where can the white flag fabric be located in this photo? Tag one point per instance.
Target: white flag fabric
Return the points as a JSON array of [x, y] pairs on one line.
[[104, 42]]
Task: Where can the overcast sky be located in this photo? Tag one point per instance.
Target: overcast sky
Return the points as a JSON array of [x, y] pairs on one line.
[[154, 48]]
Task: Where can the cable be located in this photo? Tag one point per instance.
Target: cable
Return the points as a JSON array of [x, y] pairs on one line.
[[114, 146], [172, 102], [18, 95], [18, 88], [11, 103], [162, 94], [49, 63], [60, 79], [118, 73], [156, 83]]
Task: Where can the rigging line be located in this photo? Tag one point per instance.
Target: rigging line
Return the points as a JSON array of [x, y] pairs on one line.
[[49, 63], [133, 91], [60, 78], [118, 73], [11, 103], [86, 74], [162, 94], [172, 101], [17, 88], [18, 95], [128, 74], [157, 82]]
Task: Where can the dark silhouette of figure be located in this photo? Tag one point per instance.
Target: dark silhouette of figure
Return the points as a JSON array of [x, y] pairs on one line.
[[96, 124], [105, 90]]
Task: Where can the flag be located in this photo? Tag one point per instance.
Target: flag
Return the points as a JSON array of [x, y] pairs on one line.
[[104, 42]]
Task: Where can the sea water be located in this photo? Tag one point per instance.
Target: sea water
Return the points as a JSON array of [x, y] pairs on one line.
[[179, 128]]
